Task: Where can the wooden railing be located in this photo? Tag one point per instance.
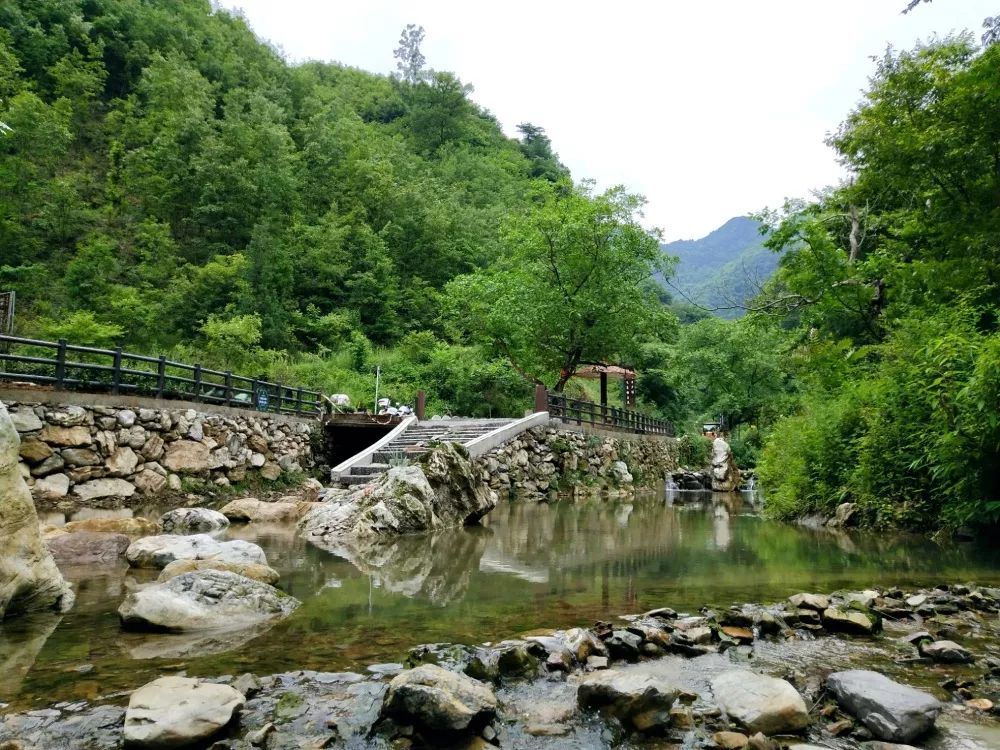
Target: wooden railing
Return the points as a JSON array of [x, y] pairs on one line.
[[84, 368], [607, 417]]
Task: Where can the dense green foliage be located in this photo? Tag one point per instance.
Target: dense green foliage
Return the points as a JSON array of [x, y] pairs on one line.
[[723, 270], [168, 183], [887, 299]]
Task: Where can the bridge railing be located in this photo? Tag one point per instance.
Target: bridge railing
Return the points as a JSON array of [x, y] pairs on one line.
[[607, 417], [84, 368]]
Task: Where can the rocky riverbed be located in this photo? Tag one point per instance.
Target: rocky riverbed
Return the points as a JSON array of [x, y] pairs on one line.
[[847, 670]]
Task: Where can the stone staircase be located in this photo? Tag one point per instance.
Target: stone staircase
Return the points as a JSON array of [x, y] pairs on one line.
[[415, 441]]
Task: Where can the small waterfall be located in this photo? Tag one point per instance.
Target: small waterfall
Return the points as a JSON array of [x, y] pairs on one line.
[[671, 484]]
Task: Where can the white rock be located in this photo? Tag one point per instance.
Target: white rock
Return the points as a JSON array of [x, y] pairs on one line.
[[96, 488], [25, 420], [126, 417], [760, 703], [162, 549], [178, 711], [52, 487], [205, 600]]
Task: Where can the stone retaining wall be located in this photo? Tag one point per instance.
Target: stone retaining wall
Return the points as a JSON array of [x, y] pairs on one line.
[[99, 455], [547, 458]]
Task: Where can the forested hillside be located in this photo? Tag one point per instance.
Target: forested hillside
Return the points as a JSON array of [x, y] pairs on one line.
[[724, 269], [169, 183]]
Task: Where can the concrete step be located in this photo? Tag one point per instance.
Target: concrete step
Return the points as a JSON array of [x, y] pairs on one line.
[[355, 479], [370, 469]]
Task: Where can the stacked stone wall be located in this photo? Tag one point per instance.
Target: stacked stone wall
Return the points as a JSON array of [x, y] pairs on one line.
[[546, 458], [103, 455]]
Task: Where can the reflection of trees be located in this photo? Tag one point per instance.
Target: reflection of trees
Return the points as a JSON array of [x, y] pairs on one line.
[[435, 566]]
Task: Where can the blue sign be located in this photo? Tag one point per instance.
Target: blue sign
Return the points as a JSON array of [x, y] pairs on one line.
[[262, 399]]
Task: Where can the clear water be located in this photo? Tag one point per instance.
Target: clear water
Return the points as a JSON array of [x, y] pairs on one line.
[[529, 567]]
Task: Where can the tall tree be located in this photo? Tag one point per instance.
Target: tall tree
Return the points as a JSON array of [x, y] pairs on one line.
[[570, 287], [410, 60]]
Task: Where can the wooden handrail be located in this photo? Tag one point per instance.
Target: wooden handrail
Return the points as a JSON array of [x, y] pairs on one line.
[[201, 386], [609, 417]]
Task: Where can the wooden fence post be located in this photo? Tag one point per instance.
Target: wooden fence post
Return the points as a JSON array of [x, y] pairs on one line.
[[61, 365], [277, 401], [298, 403], [229, 388], [197, 382], [421, 406], [541, 398]]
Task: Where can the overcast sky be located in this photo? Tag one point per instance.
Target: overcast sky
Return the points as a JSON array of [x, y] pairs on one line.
[[710, 108]]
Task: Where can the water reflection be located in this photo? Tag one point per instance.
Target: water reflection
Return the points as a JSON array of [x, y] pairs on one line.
[[531, 566]]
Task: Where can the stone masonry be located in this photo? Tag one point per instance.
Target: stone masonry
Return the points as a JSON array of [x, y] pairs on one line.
[[101, 455], [545, 458]]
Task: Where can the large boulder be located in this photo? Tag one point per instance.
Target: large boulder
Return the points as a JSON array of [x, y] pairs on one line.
[[639, 701], [760, 703], [29, 578], [256, 571], [88, 548], [445, 490], [182, 520], [891, 711], [179, 712], [130, 527], [204, 600], [158, 551], [439, 700], [250, 510], [725, 473]]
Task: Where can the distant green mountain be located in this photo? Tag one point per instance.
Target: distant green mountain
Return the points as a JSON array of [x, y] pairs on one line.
[[723, 269]]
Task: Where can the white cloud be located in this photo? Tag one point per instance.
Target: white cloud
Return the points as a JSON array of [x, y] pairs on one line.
[[711, 109]]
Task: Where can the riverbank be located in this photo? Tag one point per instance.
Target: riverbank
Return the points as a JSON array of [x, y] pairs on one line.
[[652, 679]]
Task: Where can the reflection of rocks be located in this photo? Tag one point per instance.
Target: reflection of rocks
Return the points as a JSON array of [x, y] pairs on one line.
[[189, 645], [29, 578], [434, 566], [88, 548], [20, 646]]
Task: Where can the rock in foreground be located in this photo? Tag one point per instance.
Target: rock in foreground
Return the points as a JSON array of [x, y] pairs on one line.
[[175, 712], [161, 550], [760, 703], [206, 599], [639, 701], [891, 711], [438, 700], [29, 578]]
